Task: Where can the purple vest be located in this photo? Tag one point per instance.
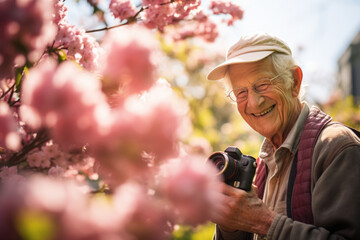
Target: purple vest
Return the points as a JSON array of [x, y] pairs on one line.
[[299, 187]]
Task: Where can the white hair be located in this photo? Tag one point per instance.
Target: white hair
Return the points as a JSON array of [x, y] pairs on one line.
[[286, 64]]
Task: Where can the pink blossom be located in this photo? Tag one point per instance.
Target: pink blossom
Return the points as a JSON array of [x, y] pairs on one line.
[[208, 31], [73, 214], [65, 206], [119, 152], [89, 53], [60, 12], [202, 27], [122, 9], [158, 14], [58, 157], [66, 100], [153, 123], [62, 159], [98, 220], [199, 15], [77, 166], [142, 216], [79, 45], [52, 195], [128, 60], [25, 31], [80, 168], [9, 137], [38, 159], [61, 203], [192, 189], [163, 119], [9, 175], [205, 29], [227, 7], [161, 13], [56, 171], [184, 8], [51, 150], [8, 171], [66, 34]]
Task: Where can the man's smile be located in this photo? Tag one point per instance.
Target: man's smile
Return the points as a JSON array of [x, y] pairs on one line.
[[264, 112]]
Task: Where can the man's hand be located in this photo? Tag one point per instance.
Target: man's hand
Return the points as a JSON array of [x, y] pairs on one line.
[[244, 211]]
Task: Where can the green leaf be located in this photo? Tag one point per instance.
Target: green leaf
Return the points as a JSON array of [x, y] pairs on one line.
[[18, 78], [61, 56]]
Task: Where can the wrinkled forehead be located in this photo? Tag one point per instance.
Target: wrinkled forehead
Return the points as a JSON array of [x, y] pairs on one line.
[[248, 73]]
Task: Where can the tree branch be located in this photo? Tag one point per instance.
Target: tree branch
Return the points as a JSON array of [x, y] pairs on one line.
[[18, 157], [129, 21]]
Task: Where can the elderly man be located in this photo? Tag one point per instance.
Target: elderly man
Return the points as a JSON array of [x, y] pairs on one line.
[[308, 176]]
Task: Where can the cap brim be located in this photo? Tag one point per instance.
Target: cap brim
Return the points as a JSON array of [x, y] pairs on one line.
[[219, 71]]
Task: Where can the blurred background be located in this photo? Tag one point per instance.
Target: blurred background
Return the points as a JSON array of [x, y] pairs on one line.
[[324, 36]]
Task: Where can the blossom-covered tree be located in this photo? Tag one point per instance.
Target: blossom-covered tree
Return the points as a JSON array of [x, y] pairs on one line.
[[91, 137]]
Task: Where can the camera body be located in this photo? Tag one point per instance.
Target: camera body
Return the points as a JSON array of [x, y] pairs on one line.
[[237, 169]]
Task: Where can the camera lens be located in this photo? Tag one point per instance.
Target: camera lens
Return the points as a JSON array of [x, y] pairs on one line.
[[220, 160], [219, 163], [225, 164]]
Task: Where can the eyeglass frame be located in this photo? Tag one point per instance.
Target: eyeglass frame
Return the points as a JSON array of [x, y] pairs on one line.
[[254, 89]]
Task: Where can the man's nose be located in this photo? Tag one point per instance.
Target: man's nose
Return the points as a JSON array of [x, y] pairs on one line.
[[254, 99]]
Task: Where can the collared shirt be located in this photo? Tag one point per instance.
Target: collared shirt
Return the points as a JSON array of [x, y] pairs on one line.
[[279, 164]]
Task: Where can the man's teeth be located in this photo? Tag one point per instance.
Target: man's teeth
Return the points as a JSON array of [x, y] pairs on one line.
[[264, 112]]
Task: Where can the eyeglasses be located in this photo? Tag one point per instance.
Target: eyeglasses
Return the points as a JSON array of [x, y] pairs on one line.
[[260, 87]]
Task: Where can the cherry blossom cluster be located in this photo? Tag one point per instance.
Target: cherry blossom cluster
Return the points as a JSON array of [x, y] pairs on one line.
[[60, 12], [227, 7], [129, 50], [25, 29], [182, 180], [132, 137], [122, 9], [78, 45], [203, 27], [66, 211], [56, 162], [90, 135], [65, 99], [162, 13]]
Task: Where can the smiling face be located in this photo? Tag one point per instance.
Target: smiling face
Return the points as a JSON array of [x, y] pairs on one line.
[[272, 114]]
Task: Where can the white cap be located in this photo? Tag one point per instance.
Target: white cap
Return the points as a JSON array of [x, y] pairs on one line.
[[249, 49]]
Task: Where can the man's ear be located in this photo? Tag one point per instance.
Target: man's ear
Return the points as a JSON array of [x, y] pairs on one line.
[[297, 75]]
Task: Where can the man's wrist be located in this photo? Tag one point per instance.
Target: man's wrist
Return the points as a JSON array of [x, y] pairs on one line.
[[266, 224]]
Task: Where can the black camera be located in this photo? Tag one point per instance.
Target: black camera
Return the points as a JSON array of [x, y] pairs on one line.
[[237, 169]]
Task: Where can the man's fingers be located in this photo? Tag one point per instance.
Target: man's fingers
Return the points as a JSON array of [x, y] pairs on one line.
[[231, 191]]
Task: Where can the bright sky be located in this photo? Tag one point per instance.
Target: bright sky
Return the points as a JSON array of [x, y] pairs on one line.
[[317, 31]]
